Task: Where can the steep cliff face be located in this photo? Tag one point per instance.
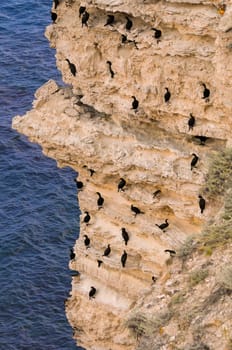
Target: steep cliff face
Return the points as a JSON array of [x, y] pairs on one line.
[[90, 124]]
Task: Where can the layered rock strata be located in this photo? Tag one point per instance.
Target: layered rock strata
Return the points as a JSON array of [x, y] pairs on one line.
[[90, 124]]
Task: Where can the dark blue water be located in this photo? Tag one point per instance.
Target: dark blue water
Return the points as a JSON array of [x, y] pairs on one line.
[[39, 215]]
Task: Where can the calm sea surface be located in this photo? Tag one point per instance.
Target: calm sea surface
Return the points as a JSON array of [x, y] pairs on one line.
[[39, 214]]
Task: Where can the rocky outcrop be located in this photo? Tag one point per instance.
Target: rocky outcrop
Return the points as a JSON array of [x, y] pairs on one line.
[[90, 124]]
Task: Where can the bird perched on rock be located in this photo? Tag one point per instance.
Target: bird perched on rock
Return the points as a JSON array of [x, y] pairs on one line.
[[87, 218], [206, 93], [157, 34], [171, 252], [84, 19], [107, 251], [72, 67], [110, 20], [202, 139], [86, 241], [99, 262], [100, 200], [191, 122], [167, 95], [135, 103], [163, 225], [72, 254], [92, 292], [56, 3], [110, 68], [121, 184], [201, 203], [53, 17], [79, 184], [194, 160], [124, 258], [154, 279], [125, 235], [81, 10], [136, 210], [129, 23]]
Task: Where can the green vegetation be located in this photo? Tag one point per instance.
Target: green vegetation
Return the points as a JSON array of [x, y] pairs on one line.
[[224, 278], [197, 277], [186, 249]]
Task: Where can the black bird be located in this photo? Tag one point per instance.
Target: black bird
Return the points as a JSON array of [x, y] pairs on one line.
[[99, 262], [110, 68], [171, 252], [202, 139], [206, 93], [90, 170], [201, 203], [194, 160], [110, 20], [167, 95], [72, 67], [156, 193], [84, 19], [123, 39], [157, 33], [129, 23], [125, 235], [92, 292], [86, 241], [79, 184], [72, 254], [100, 200], [163, 225], [81, 10], [191, 122], [135, 103], [107, 251], [154, 279], [56, 3], [87, 218], [136, 210], [123, 258], [53, 17], [121, 184]]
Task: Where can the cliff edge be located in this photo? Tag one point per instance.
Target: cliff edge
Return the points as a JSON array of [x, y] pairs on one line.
[[147, 99]]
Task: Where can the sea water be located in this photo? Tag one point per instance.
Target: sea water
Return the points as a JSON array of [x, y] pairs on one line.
[[39, 214]]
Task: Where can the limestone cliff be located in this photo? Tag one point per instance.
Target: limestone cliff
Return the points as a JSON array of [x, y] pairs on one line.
[[90, 124]]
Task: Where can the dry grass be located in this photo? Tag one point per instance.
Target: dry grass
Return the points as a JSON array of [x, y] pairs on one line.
[[224, 278], [197, 276]]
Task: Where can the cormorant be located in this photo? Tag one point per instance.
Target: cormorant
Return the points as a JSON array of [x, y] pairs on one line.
[[56, 3], [167, 95], [136, 210], [191, 122], [99, 262], [107, 251], [121, 184], [110, 68], [110, 20], [201, 203], [79, 184], [156, 193], [123, 258], [129, 23], [194, 160], [72, 67], [202, 139], [125, 235], [92, 292], [100, 200], [53, 16], [157, 33], [72, 254], [154, 279], [206, 93], [87, 217], [135, 103], [84, 19], [163, 225], [86, 241], [81, 10], [171, 252]]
